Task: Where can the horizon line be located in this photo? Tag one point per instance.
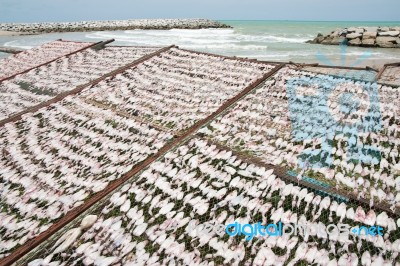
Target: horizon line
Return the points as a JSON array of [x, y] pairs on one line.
[[299, 20], [277, 20]]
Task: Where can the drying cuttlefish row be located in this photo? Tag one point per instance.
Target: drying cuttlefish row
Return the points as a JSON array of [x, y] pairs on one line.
[[54, 159], [149, 220], [76, 147], [295, 121], [64, 74], [34, 57], [178, 88]]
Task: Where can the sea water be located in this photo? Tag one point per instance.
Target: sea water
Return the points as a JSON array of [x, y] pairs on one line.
[[264, 40]]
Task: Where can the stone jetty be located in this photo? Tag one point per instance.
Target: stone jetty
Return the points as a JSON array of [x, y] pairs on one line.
[[384, 37], [132, 24]]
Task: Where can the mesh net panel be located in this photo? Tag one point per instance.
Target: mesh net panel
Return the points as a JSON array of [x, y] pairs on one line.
[[303, 170]]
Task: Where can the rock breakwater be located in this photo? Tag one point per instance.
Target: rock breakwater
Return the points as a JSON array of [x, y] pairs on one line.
[[154, 24], [384, 37]]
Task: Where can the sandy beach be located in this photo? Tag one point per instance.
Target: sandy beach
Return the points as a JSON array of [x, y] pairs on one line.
[[11, 33]]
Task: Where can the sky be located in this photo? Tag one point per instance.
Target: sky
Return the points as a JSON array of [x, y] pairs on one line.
[[311, 10]]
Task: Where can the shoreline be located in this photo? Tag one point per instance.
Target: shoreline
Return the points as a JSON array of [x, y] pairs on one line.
[[4, 33]]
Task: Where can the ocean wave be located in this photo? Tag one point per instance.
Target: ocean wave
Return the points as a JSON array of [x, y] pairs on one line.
[[280, 39], [350, 53], [232, 47], [255, 42], [264, 56], [16, 44], [207, 41], [203, 31], [271, 39], [184, 39]]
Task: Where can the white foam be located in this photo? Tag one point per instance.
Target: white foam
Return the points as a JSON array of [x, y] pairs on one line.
[[263, 43], [16, 44]]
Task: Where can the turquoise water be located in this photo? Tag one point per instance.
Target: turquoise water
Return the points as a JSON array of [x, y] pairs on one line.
[[264, 40], [285, 40]]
